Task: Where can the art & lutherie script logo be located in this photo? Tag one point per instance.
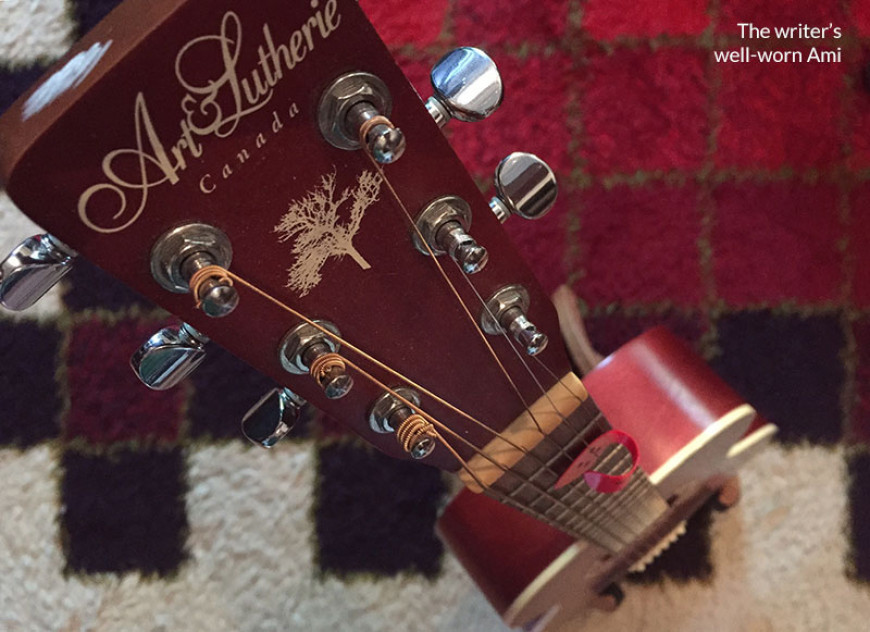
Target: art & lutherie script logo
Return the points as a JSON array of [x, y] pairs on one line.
[[212, 106]]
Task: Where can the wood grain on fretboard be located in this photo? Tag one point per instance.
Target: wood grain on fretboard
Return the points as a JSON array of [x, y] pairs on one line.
[[522, 466]]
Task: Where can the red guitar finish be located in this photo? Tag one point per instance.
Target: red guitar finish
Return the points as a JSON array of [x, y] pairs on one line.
[[694, 432], [113, 160]]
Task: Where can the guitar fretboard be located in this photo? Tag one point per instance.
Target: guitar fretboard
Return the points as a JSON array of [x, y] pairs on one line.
[[611, 521]]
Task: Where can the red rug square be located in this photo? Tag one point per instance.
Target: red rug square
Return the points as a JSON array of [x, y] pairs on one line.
[[107, 401], [779, 115], [399, 24], [645, 109], [639, 245], [608, 19], [861, 254], [791, 13], [776, 242], [859, 118], [534, 116], [489, 22], [861, 16]]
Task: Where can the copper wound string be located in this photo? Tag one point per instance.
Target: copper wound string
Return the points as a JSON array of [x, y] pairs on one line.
[[374, 361], [412, 406], [219, 273]]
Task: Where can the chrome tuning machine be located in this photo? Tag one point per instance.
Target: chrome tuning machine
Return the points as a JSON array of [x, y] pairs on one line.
[[525, 186], [194, 258], [467, 87], [308, 349], [389, 414], [505, 311], [273, 417], [32, 269], [169, 356], [354, 110], [444, 225]]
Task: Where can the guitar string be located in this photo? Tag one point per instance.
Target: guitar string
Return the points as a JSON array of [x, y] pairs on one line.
[[584, 442], [406, 402], [374, 361], [455, 292], [625, 501]]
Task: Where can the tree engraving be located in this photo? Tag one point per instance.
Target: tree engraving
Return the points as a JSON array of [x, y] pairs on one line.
[[319, 230]]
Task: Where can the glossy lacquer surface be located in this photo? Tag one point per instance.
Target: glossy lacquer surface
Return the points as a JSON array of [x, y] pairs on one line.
[[172, 112]]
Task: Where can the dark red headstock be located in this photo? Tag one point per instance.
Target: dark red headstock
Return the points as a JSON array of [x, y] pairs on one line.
[[178, 112]]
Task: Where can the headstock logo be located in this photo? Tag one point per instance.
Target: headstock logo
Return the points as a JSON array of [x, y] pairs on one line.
[[217, 96], [320, 230]]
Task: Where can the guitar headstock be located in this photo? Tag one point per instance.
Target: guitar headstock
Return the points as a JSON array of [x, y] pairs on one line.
[[265, 172]]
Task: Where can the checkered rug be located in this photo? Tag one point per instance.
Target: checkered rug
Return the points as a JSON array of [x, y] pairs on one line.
[[729, 201]]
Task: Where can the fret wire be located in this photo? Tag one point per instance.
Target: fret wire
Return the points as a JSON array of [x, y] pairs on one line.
[[603, 504]]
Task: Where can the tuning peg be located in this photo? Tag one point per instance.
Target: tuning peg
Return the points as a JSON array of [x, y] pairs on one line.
[[32, 269], [467, 87], [525, 186], [273, 417], [194, 258], [444, 226], [354, 110], [169, 356], [505, 311]]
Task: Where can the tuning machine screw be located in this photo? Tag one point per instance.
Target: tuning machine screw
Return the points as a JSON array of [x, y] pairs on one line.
[[169, 356], [444, 226], [467, 87], [307, 349], [506, 311], [32, 269], [194, 258], [389, 414], [354, 110], [525, 186], [273, 417]]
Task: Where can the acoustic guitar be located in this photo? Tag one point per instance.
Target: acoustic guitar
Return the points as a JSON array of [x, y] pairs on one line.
[[264, 171]]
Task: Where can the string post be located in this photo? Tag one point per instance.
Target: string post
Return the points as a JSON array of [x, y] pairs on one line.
[[442, 228], [354, 112], [417, 436], [195, 258], [211, 286], [312, 348], [506, 312]]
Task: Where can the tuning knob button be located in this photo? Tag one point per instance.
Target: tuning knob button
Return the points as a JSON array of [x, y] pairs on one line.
[[505, 311], [169, 356], [307, 349], [354, 111], [389, 414], [273, 417], [444, 225], [525, 186], [194, 258], [467, 87], [32, 269]]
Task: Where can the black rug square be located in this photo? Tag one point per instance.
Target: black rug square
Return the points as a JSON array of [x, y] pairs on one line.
[[29, 400], [224, 389], [124, 512], [375, 514], [89, 12], [789, 367], [608, 332], [91, 288], [859, 515], [14, 83]]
